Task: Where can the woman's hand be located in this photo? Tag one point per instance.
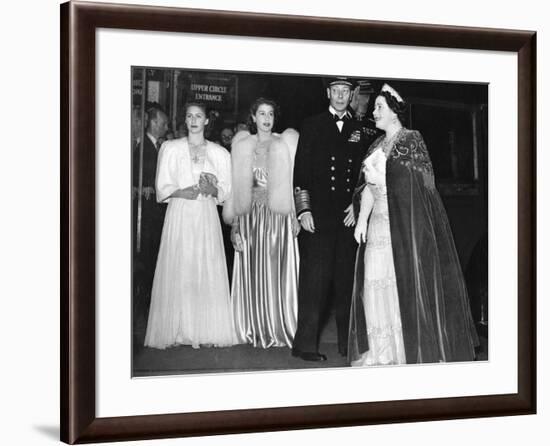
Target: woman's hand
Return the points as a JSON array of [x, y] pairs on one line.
[[208, 184], [295, 226], [367, 202], [207, 189], [189, 193], [208, 178], [236, 239], [360, 232]]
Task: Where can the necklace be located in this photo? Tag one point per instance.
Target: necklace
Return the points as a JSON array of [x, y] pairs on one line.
[[197, 151], [260, 149], [387, 143]]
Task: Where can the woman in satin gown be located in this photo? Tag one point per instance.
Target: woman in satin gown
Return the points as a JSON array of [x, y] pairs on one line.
[[264, 229], [409, 303], [190, 298]]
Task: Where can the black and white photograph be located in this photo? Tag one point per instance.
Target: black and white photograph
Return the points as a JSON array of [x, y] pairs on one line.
[[291, 221], [266, 223]]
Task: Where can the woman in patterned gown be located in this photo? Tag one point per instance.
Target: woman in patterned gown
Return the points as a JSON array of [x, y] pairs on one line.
[[190, 297], [264, 230], [409, 303]]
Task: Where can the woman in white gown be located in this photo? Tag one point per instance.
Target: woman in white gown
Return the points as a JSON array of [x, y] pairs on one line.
[[381, 301], [190, 298], [409, 296]]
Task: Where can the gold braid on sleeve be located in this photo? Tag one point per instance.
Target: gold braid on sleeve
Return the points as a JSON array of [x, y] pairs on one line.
[[302, 201]]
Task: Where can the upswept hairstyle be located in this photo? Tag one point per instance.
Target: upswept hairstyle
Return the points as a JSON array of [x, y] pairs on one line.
[[200, 105]]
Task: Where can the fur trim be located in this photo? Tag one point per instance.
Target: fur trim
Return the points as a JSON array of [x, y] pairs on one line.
[[280, 163]]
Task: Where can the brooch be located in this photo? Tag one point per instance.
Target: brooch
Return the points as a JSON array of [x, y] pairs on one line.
[[369, 132], [355, 136]]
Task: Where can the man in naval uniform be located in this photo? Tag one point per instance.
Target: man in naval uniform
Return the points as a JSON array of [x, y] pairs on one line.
[[328, 160]]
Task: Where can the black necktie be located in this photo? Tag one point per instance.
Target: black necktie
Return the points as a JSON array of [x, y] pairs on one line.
[[338, 118]]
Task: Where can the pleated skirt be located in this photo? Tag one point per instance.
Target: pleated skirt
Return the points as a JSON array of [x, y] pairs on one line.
[[265, 275]]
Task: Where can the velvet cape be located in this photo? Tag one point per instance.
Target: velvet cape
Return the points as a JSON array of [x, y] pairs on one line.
[[435, 311]]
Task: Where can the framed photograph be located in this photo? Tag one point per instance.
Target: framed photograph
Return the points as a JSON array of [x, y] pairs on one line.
[[171, 116]]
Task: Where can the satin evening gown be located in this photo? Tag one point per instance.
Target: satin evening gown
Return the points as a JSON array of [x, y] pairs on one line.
[[265, 273]]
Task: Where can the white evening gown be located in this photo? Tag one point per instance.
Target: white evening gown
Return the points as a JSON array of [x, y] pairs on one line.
[[380, 298], [190, 301]]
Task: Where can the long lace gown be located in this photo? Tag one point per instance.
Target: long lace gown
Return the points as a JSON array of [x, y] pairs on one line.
[[381, 301], [190, 302], [265, 273]]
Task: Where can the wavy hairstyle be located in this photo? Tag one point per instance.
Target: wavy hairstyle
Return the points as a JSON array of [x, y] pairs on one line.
[[397, 106], [254, 108]]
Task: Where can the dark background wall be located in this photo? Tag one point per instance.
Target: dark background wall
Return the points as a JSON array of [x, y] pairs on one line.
[[452, 118]]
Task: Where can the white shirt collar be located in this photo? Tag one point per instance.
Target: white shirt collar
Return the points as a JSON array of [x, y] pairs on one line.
[[152, 138], [334, 112]]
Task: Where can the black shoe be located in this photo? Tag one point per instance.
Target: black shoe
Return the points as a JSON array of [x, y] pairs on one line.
[[309, 356]]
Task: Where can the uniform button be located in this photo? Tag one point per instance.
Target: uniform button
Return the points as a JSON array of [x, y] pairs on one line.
[[332, 158], [347, 190], [347, 180], [332, 188], [349, 161], [349, 170], [333, 178], [332, 168]]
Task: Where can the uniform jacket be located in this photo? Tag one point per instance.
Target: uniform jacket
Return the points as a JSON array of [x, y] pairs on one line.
[[327, 165]]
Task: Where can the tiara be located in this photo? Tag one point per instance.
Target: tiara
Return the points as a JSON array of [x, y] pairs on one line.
[[392, 91]]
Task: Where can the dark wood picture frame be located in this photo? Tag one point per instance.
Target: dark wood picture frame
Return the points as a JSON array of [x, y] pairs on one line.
[[79, 21]]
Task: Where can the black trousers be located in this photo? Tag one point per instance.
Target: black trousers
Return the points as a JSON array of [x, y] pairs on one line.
[[227, 245], [327, 263], [146, 260]]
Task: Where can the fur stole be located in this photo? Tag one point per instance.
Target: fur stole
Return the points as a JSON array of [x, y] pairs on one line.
[[280, 166]]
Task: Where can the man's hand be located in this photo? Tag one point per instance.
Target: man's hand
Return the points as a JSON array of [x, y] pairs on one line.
[[307, 223], [148, 192], [349, 219]]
